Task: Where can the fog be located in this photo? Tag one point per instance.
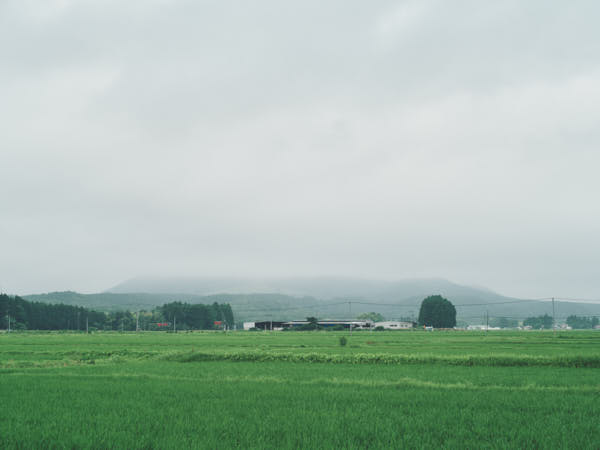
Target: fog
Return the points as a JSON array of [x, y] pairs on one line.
[[384, 140]]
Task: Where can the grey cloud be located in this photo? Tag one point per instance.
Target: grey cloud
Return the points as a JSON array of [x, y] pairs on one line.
[[388, 140]]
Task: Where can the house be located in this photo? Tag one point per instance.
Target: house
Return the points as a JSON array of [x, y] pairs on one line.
[[394, 325]]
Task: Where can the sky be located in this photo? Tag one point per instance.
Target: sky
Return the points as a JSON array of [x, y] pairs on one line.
[[386, 140]]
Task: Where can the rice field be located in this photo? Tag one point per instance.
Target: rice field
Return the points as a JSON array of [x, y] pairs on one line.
[[300, 390]]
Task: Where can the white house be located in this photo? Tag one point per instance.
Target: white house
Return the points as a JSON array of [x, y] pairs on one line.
[[393, 325]]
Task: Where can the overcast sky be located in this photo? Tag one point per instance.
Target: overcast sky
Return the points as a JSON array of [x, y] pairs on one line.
[[454, 139]]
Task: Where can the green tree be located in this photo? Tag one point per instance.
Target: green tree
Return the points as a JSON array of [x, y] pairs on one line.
[[311, 325], [373, 316], [503, 322], [580, 322], [438, 312], [539, 322]]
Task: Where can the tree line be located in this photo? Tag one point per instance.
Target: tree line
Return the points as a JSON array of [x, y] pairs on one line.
[[27, 315], [582, 323], [575, 322], [539, 323]]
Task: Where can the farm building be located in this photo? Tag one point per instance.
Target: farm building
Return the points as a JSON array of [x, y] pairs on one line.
[[356, 324], [394, 325], [279, 325], [265, 325]]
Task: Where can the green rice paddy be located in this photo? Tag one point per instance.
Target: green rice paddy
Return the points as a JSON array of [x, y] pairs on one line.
[[300, 390]]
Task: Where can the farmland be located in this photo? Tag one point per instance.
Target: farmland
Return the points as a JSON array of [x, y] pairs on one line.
[[300, 389]]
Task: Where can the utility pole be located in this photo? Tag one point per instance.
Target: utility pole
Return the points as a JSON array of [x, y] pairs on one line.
[[174, 323], [487, 321], [350, 316], [137, 321], [8, 318], [553, 317], [87, 323]]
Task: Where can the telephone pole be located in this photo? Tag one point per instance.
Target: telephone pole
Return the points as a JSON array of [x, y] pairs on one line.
[[553, 317], [487, 321], [8, 318], [350, 316], [87, 323], [174, 323], [137, 321]]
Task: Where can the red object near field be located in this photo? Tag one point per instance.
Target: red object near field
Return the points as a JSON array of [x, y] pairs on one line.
[[162, 324], [218, 322]]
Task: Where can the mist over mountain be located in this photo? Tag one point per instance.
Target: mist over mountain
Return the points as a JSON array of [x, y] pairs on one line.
[[323, 297], [324, 288]]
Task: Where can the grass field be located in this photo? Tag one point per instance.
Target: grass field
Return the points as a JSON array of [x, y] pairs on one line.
[[300, 390]]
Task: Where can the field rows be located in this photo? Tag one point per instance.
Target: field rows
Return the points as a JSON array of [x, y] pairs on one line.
[[135, 391]]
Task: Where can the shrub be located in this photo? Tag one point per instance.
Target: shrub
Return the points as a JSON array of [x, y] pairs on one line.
[[343, 341], [309, 327]]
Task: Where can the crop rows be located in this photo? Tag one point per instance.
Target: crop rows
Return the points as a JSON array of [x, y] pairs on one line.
[[304, 390], [381, 358]]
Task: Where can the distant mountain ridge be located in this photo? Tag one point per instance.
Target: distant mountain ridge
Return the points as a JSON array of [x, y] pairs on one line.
[[324, 297], [324, 288]]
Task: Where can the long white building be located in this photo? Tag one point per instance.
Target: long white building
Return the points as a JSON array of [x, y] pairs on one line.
[[394, 325]]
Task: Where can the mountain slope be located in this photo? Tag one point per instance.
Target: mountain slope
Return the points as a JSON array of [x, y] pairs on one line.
[[330, 296], [325, 288], [297, 298]]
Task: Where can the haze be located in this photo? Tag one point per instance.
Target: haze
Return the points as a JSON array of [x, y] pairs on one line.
[[382, 140]]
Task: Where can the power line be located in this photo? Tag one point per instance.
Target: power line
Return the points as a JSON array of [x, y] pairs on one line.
[[585, 300], [266, 308], [392, 305], [504, 303]]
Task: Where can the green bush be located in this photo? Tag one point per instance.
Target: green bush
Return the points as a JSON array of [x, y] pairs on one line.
[[343, 341]]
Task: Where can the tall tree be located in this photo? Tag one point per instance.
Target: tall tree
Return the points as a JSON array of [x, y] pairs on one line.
[[438, 312]]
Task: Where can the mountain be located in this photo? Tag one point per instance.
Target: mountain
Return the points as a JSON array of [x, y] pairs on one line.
[[324, 288], [323, 297], [246, 306], [109, 301], [330, 296]]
